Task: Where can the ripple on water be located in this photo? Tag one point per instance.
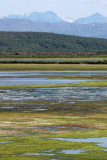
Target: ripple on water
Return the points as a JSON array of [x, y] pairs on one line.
[[62, 94]]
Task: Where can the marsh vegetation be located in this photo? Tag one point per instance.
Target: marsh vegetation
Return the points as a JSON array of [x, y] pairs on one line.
[[53, 121]]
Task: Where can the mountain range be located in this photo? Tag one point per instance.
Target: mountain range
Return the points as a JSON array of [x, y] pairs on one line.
[[48, 16], [95, 18], [52, 17], [92, 26]]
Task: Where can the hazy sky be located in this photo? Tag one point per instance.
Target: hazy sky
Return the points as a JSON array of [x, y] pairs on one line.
[[64, 8]]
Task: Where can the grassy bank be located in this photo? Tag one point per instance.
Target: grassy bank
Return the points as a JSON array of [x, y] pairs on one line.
[[53, 67], [54, 59]]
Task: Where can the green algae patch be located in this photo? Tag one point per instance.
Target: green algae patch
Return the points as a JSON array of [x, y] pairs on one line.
[[42, 144], [92, 83], [29, 138], [39, 145]]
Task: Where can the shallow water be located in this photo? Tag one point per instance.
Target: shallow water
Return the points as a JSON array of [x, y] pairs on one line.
[[36, 81], [50, 73], [55, 152], [101, 141], [43, 99], [59, 94], [4, 142], [41, 77], [16, 100], [79, 151], [37, 154], [30, 154]]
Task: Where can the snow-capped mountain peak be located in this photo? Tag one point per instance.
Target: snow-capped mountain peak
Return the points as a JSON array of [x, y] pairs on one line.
[[68, 19]]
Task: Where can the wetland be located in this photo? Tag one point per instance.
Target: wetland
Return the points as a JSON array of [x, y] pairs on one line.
[[53, 114]]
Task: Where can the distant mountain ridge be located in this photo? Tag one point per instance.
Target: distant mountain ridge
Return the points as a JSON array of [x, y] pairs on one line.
[[98, 30], [92, 26], [48, 16], [52, 17], [95, 18]]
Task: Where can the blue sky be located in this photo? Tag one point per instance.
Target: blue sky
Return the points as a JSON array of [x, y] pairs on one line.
[[64, 8]]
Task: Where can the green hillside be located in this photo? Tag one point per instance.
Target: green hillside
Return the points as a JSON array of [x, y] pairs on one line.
[[48, 42]]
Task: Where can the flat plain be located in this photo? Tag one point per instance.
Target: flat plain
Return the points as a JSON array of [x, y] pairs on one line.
[[57, 121]]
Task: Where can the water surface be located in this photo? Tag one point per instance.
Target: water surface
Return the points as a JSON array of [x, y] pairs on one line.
[[101, 141], [59, 94], [50, 73], [79, 151], [36, 81]]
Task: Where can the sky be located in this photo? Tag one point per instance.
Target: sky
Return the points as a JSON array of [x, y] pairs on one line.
[[64, 8]]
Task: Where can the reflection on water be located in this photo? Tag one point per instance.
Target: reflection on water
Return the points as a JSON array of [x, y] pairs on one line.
[[60, 94], [101, 141], [50, 73], [13, 100], [79, 151], [36, 81]]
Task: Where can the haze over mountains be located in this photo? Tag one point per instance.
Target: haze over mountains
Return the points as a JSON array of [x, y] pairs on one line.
[[95, 18], [48, 16], [92, 26], [52, 17]]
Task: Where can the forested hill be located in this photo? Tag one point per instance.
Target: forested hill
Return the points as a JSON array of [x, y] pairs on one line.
[[48, 42]]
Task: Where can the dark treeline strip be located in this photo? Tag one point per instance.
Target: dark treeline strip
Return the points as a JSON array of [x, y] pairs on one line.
[[53, 54], [53, 62]]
